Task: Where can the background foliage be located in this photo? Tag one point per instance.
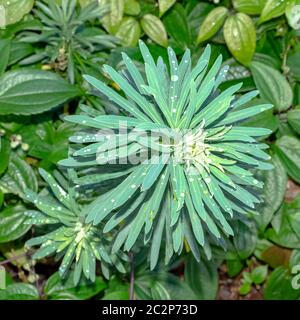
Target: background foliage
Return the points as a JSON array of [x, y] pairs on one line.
[[44, 53]]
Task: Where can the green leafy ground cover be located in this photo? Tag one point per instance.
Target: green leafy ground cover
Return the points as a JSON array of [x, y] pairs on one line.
[[47, 46]]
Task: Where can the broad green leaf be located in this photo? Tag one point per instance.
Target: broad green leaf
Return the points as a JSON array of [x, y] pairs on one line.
[[177, 26], [15, 10], [292, 13], [1, 198], [82, 3], [4, 154], [288, 150], [234, 267], [48, 141], [279, 286], [19, 51], [5, 52], [212, 23], [202, 277], [245, 237], [272, 9], [27, 91], [297, 94], [165, 5], [154, 29], [282, 232], [264, 119], [245, 288], [18, 177], [275, 184], [19, 291], [293, 64], [267, 59], [249, 6], [294, 258], [132, 7], [117, 290], [259, 274], [162, 285], [294, 218], [160, 292], [197, 15], [12, 225], [129, 32], [272, 86], [58, 289], [113, 18], [178, 289], [240, 37], [117, 295], [294, 119]]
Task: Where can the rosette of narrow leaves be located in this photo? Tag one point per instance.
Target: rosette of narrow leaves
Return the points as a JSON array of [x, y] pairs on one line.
[[69, 236], [190, 201], [69, 34]]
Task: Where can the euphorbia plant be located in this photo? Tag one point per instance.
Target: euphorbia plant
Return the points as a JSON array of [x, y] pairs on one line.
[[69, 236], [178, 163]]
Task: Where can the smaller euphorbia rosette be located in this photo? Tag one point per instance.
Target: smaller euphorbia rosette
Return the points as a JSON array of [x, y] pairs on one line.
[[69, 237], [196, 164]]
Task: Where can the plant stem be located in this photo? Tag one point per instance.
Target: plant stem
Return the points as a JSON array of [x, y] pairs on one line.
[[284, 66], [131, 288], [13, 258]]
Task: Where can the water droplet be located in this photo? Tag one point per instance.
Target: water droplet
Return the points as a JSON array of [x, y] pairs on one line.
[[174, 77], [207, 180]]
